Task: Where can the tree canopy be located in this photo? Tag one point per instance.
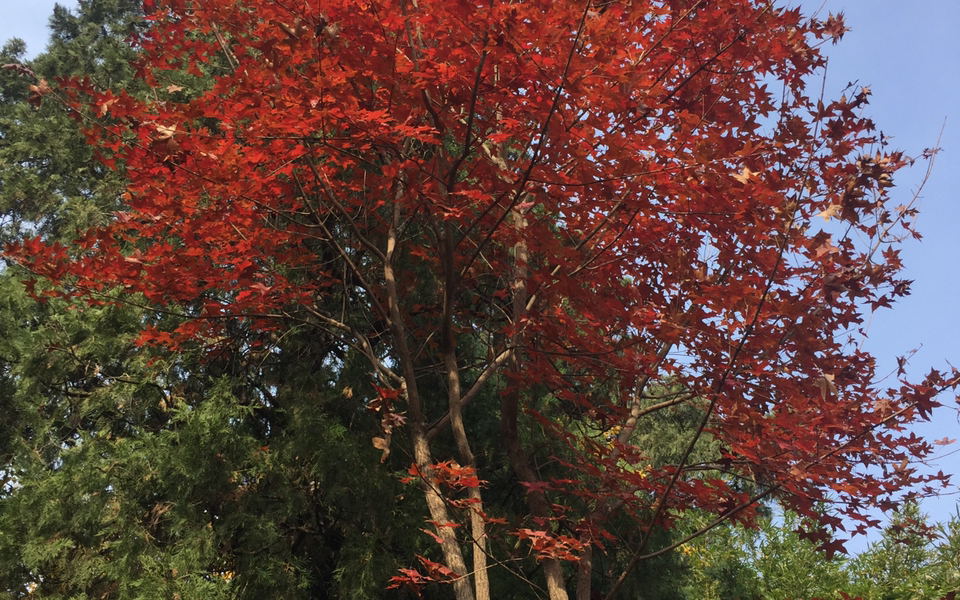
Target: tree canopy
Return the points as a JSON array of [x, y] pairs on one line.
[[536, 278]]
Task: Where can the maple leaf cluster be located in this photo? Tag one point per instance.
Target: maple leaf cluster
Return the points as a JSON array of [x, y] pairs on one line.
[[631, 207]]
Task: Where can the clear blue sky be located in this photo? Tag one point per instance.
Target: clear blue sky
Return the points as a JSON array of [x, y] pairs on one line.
[[909, 55]]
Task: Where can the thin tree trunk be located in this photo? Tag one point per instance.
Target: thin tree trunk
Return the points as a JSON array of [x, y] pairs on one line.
[[436, 504], [584, 572], [478, 530], [509, 409], [539, 506]]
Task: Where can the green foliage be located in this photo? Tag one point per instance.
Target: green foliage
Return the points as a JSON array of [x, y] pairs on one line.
[[793, 567], [947, 554], [52, 184], [130, 480], [70, 375], [124, 475], [911, 561]]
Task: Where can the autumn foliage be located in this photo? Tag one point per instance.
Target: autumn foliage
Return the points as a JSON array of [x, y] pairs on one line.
[[586, 215]]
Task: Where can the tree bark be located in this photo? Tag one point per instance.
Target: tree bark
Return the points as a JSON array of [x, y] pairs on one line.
[[509, 409], [478, 531], [436, 504]]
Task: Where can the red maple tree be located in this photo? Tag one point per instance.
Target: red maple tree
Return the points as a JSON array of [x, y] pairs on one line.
[[616, 207]]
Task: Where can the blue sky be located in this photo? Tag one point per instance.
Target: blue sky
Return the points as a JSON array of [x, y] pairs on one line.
[[910, 58], [27, 19]]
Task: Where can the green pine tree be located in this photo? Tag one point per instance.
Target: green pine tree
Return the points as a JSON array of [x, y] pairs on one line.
[[127, 474]]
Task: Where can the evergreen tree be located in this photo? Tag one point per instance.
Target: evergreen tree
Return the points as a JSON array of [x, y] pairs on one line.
[[129, 475], [51, 182], [911, 561], [947, 555]]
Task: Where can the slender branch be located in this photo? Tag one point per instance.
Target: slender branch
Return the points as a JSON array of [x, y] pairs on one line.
[[325, 185], [488, 372], [365, 346]]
